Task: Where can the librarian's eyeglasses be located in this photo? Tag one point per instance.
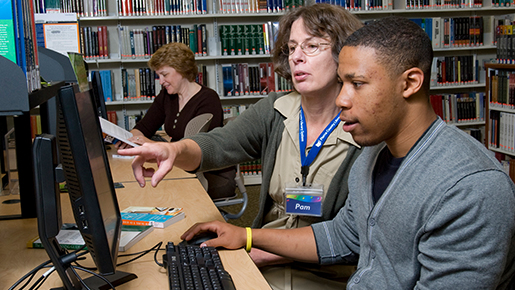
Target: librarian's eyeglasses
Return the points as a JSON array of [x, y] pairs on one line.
[[309, 48]]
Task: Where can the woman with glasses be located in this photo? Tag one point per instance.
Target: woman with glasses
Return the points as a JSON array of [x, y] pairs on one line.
[[298, 137]]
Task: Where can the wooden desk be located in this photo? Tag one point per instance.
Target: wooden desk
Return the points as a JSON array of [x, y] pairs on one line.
[[121, 169], [16, 260]]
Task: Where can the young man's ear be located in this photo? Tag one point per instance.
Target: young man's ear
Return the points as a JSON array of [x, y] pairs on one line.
[[413, 81]]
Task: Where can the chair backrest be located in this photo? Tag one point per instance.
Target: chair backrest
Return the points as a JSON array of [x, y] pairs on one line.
[[198, 124]]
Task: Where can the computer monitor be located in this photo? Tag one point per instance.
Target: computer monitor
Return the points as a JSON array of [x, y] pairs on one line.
[[90, 188], [98, 94]]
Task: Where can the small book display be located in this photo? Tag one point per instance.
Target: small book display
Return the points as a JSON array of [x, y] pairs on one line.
[[158, 217]]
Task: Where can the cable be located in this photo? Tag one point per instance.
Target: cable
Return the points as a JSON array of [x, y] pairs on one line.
[[92, 273], [31, 273], [42, 279], [79, 277], [155, 255], [141, 254]]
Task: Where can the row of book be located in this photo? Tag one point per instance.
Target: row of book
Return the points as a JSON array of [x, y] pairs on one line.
[[247, 39], [251, 168], [459, 108], [508, 164], [233, 110], [454, 70], [358, 5], [112, 117], [142, 43], [83, 8], [94, 42], [161, 7], [502, 130], [139, 84], [474, 132], [439, 4], [503, 3], [505, 41], [143, 83], [241, 79], [35, 125], [98, 8], [18, 41], [502, 89], [453, 31], [106, 78]]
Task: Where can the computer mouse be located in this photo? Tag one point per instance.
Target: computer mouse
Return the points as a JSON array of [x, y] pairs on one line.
[[199, 238]]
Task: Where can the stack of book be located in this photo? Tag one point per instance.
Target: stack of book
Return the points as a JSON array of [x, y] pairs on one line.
[[158, 217]]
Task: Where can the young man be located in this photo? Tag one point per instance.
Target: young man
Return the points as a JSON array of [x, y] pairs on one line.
[[428, 207]]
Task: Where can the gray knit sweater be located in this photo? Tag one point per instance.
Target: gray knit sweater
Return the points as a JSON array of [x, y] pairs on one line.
[[446, 221]]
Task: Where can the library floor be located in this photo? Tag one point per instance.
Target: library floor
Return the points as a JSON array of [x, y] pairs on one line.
[[252, 208]]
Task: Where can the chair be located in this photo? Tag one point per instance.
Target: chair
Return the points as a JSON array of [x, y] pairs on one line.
[[196, 125], [232, 200], [200, 124]]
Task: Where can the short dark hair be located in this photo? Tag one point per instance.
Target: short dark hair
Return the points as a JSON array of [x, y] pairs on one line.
[[400, 44], [320, 20], [177, 55]]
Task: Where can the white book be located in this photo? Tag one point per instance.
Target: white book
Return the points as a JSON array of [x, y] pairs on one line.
[[437, 32], [115, 133]]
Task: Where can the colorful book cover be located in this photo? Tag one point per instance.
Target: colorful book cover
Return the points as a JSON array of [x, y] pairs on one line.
[[158, 217], [7, 37]]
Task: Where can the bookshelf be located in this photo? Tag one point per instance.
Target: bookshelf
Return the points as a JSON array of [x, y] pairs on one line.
[[213, 19], [500, 121], [16, 102]]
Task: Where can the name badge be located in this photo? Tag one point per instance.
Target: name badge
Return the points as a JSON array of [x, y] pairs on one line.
[[304, 200]]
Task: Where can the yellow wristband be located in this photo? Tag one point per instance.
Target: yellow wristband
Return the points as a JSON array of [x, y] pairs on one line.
[[249, 239]]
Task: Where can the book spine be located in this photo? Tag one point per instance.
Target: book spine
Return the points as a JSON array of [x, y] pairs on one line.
[[136, 223]]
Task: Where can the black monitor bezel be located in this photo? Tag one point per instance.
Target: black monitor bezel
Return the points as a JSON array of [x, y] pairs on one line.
[[86, 207]]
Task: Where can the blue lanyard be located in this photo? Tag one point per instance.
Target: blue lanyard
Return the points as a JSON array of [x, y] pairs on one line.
[[305, 161]]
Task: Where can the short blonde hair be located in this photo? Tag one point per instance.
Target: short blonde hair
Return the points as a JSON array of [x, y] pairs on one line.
[[176, 55]]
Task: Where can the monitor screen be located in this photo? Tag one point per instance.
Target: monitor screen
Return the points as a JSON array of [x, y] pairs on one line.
[[88, 177]]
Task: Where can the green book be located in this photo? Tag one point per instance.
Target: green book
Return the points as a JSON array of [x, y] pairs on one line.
[[71, 239], [193, 40], [260, 39], [239, 39], [224, 39], [231, 34], [247, 48]]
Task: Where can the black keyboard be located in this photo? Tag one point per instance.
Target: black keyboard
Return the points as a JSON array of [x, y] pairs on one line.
[[192, 267]]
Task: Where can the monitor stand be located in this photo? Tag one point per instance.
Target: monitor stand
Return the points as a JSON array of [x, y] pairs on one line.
[[94, 282]]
